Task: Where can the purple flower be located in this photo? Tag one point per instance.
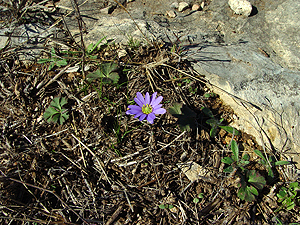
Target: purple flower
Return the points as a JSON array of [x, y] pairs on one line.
[[146, 108]]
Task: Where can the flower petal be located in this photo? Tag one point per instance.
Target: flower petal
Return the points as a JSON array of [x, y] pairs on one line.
[[138, 114], [153, 96], [157, 106], [147, 98], [159, 111], [139, 99], [142, 117], [133, 109], [156, 101], [151, 117]]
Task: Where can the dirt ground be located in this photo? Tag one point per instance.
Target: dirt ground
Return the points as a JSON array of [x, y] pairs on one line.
[[102, 166]]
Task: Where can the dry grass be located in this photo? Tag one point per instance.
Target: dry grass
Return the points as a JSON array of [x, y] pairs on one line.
[[105, 167]]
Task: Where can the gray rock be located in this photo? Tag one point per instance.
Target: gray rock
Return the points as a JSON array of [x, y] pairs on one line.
[[240, 7], [29, 39], [284, 24], [182, 6], [264, 96]]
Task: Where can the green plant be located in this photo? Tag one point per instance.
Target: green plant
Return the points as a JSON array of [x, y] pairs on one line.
[[288, 197], [55, 113], [54, 60], [107, 72], [234, 160], [166, 206], [209, 95], [270, 163], [92, 47], [133, 43], [193, 90], [215, 124], [197, 199], [250, 180]]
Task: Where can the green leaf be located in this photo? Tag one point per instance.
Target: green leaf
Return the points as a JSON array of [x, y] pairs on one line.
[[235, 150], [256, 179], [227, 160], [53, 53], [257, 152], [89, 48], [62, 62], [200, 195], [231, 130], [50, 112], [40, 61], [244, 163], [282, 194], [107, 71], [162, 206], [246, 157], [270, 172], [55, 113], [207, 112], [196, 200], [175, 110], [294, 186], [186, 116], [92, 47], [253, 190], [291, 206], [170, 206], [206, 95], [94, 75], [245, 193], [213, 131], [229, 169], [279, 163], [212, 122], [52, 64]]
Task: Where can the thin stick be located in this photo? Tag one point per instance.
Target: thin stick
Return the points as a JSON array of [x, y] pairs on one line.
[[96, 158]]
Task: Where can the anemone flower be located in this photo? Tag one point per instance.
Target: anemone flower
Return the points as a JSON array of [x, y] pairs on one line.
[[146, 108]]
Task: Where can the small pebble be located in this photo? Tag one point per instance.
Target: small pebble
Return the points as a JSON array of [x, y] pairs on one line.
[[174, 5], [195, 7], [202, 5], [171, 14], [240, 7], [122, 53], [182, 6]]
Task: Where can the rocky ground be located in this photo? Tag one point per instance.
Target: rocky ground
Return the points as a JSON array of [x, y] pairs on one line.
[[102, 166]]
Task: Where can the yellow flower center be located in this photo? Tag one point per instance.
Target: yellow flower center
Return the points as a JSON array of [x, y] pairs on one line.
[[147, 109]]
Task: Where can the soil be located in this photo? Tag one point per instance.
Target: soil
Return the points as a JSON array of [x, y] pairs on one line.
[[102, 166]]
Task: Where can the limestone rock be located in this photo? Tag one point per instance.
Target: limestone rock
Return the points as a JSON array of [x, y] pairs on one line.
[[174, 5], [122, 53], [194, 171], [265, 96], [171, 14], [182, 6], [30, 38], [240, 7], [284, 23], [195, 7]]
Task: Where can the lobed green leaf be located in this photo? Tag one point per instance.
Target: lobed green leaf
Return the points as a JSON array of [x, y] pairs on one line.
[[256, 179]]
